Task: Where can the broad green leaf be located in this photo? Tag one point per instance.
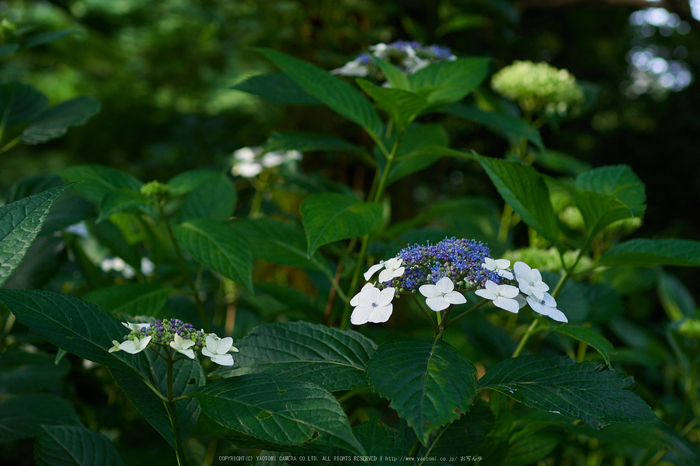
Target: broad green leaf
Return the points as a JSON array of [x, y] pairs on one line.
[[402, 106], [675, 298], [278, 410], [588, 336], [501, 123], [19, 103], [23, 372], [330, 217], [530, 449], [616, 180], [410, 157], [215, 199], [40, 265], [651, 252], [22, 416], [453, 79], [397, 78], [218, 246], [599, 210], [8, 49], [559, 384], [559, 161], [332, 91], [132, 299], [278, 242], [331, 358], [124, 200], [74, 445], [188, 181], [278, 88], [46, 37], [73, 325], [428, 382], [526, 192], [54, 122], [96, 181], [307, 142], [20, 223]]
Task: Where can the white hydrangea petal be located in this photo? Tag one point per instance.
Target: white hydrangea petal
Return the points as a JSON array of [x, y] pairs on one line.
[[522, 270], [510, 305], [222, 359], [486, 294], [224, 344], [492, 287], [429, 291], [369, 296], [445, 285], [455, 297], [356, 299], [437, 303], [360, 315], [385, 296], [381, 314], [207, 353], [372, 270], [501, 263], [508, 291], [556, 314]]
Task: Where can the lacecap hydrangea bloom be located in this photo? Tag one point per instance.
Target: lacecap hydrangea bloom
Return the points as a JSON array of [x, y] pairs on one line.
[[407, 56], [176, 335], [249, 162], [538, 86], [443, 272]]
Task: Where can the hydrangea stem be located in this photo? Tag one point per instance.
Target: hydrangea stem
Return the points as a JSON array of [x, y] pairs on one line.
[[531, 330], [185, 270], [172, 411]]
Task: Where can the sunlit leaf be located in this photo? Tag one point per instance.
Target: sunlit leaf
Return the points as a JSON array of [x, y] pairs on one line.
[[588, 336], [453, 80]]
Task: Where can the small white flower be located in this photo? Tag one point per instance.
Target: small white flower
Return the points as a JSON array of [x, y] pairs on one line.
[[136, 345], [183, 346], [147, 266], [356, 299], [246, 154], [354, 68], [372, 305], [441, 295], [247, 169], [217, 350], [78, 229], [392, 269], [273, 159], [135, 327], [115, 346], [500, 266], [372, 270], [503, 296], [547, 306], [530, 280]]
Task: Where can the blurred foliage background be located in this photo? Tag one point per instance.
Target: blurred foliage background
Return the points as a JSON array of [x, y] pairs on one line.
[[164, 71]]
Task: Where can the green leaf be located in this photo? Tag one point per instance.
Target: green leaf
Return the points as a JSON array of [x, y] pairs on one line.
[[559, 161], [397, 78], [277, 88], [68, 445], [402, 106], [428, 382], [8, 49], [453, 79], [498, 122], [410, 157], [284, 412], [23, 372], [332, 91], [47, 37], [526, 192], [675, 298], [559, 384], [215, 199], [278, 242], [20, 222], [54, 122], [307, 142], [651, 252], [187, 181], [132, 299], [20, 103], [22, 416], [111, 236], [331, 217], [124, 200], [588, 336], [218, 246], [530, 449], [608, 194], [331, 358], [96, 181]]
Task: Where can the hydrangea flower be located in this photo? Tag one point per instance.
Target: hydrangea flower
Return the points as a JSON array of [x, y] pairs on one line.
[[538, 86], [503, 296], [173, 334], [441, 295], [547, 306], [392, 269], [217, 349], [530, 280], [249, 162], [372, 305], [500, 266], [408, 57]]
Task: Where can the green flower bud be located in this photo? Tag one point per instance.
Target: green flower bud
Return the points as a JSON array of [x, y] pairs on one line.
[[155, 189], [538, 86], [690, 328]]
